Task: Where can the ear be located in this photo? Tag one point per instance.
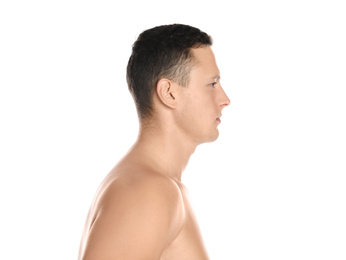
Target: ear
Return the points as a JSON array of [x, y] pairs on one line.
[[166, 92]]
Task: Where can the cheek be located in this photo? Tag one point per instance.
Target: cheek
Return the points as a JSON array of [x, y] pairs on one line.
[[197, 119], [201, 108], [189, 115], [197, 116]]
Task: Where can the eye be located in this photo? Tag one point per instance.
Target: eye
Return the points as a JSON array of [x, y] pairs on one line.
[[213, 84], [215, 80]]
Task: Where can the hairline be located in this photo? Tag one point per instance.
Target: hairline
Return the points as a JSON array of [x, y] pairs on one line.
[[191, 62]]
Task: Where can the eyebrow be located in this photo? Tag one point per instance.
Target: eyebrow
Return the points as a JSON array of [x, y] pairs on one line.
[[216, 78]]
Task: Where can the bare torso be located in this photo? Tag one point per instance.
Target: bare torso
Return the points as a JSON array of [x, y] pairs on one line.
[[188, 244], [184, 239]]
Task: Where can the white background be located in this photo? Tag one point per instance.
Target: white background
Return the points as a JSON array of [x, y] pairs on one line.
[[272, 186]]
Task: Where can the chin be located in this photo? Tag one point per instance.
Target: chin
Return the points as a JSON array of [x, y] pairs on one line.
[[215, 138], [206, 137], [212, 138]]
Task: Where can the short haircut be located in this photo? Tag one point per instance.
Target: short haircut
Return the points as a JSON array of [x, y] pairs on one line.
[[161, 52]]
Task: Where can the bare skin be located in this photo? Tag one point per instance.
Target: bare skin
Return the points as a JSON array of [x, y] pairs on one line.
[[141, 210]]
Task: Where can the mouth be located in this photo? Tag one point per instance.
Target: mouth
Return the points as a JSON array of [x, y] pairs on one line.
[[218, 119]]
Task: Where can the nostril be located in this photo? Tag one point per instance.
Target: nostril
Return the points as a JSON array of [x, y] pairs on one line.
[[227, 103]]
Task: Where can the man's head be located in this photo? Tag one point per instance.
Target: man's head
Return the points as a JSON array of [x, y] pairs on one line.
[[162, 52]]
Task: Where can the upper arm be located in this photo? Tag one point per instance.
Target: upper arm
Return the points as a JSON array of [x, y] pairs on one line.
[[137, 221]]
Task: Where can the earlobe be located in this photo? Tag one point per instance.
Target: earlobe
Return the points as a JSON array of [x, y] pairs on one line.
[[165, 90]]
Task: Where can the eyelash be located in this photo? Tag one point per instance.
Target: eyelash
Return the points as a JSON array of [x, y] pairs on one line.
[[213, 84]]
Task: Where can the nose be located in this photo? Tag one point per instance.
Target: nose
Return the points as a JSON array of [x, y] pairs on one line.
[[224, 100]]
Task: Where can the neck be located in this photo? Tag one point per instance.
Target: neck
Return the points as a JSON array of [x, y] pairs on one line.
[[164, 150]]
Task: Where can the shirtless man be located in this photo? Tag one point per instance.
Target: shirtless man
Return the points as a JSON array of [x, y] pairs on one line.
[[141, 210]]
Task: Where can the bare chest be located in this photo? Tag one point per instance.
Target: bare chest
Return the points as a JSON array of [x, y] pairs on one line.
[[189, 243]]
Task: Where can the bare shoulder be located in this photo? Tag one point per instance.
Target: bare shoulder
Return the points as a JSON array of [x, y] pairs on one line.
[[141, 185], [134, 208]]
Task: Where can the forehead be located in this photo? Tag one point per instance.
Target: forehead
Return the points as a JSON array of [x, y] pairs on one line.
[[206, 63]]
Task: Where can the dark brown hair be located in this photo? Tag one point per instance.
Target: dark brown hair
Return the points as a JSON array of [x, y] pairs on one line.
[[161, 52]]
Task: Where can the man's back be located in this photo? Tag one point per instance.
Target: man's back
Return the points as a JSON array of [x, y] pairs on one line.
[[141, 214]]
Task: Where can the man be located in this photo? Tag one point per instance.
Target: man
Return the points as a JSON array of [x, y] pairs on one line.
[[141, 210]]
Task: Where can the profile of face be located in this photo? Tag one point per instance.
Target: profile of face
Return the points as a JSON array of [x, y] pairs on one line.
[[203, 99]]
